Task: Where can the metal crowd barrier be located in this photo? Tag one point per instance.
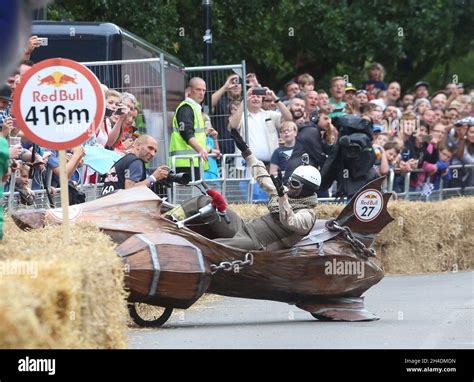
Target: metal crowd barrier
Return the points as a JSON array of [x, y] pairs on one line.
[[235, 188], [440, 194]]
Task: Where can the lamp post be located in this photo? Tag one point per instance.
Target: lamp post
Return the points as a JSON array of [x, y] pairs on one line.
[[207, 15]]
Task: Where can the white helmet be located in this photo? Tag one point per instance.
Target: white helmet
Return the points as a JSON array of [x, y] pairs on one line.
[[305, 176]]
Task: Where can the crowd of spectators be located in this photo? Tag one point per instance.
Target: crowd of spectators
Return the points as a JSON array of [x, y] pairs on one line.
[[420, 132], [32, 162]]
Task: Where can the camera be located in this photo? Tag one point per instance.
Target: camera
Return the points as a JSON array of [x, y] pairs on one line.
[[259, 91], [43, 41], [180, 178], [119, 111]]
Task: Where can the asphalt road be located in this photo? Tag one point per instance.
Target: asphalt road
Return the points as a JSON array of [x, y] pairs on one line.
[[421, 311]]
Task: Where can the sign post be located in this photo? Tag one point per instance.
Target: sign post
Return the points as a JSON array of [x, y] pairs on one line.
[[58, 105]]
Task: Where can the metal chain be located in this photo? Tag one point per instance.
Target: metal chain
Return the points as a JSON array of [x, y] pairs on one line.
[[359, 247], [234, 265]]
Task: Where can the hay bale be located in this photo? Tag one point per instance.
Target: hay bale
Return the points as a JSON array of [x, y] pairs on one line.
[[75, 300], [425, 236]]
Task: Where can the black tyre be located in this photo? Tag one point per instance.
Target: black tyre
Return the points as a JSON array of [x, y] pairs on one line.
[[149, 316]]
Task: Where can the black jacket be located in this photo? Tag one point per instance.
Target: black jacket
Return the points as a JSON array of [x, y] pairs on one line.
[[308, 141]]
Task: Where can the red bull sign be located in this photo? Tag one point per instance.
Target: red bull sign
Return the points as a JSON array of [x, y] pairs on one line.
[[368, 205], [58, 103]]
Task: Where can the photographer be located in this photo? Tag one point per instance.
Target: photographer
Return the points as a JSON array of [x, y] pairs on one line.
[[351, 162], [310, 141], [130, 170]]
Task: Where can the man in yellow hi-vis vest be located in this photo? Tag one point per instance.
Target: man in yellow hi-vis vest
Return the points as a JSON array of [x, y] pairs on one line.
[[189, 135]]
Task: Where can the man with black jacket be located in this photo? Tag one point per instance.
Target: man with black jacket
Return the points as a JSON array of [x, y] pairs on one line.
[[309, 141], [130, 170]]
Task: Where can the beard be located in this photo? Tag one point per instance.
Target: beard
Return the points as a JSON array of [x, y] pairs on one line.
[[297, 114]]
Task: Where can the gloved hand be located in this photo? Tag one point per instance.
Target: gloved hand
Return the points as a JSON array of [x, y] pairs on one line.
[[278, 182], [441, 166], [218, 201], [240, 143]]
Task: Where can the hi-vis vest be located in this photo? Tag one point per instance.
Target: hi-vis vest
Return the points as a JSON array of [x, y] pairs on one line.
[[177, 144]]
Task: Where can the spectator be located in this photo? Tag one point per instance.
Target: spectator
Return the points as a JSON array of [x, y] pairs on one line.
[[422, 104], [421, 89], [381, 163], [408, 99], [309, 141], [336, 103], [350, 92], [323, 99], [442, 168], [282, 154], [189, 134], [392, 151], [268, 103], [456, 133], [229, 92], [361, 96], [382, 139], [291, 89], [429, 117], [374, 84], [450, 115], [212, 145], [311, 100], [296, 106], [130, 170], [263, 125], [420, 155], [465, 153], [306, 82], [6, 121], [438, 101], [393, 94]]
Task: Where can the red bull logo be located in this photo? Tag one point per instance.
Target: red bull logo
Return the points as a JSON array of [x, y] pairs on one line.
[[57, 79], [370, 196]]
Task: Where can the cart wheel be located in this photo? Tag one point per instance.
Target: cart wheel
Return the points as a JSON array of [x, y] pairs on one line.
[[321, 318], [149, 316]]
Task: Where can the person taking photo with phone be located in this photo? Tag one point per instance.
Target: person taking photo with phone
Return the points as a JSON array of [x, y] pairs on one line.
[[263, 125]]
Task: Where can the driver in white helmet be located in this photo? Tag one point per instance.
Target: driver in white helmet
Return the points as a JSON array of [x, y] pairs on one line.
[[291, 210]]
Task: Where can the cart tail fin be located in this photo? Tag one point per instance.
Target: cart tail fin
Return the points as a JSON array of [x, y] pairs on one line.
[[366, 213]]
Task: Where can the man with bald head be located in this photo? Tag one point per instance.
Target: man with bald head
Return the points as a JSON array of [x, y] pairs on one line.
[[130, 170], [311, 100], [189, 132]]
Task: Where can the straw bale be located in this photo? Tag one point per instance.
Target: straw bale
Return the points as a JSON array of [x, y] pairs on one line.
[[76, 298]]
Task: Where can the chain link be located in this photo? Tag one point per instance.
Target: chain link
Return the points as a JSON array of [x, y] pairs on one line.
[[359, 247], [234, 265]]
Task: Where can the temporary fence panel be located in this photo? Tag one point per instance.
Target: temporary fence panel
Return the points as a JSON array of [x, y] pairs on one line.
[[145, 79]]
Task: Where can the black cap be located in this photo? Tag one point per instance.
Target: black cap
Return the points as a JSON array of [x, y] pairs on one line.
[[5, 93], [422, 83]]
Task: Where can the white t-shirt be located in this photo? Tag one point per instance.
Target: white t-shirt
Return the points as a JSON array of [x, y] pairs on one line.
[[263, 133]]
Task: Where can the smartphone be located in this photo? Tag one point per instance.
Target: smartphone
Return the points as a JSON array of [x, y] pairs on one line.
[[119, 111], [337, 110], [43, 41], [427, 138], [259, 91], [14, 122]]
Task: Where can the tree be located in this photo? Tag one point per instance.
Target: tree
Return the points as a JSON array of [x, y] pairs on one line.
[[282, 38]]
